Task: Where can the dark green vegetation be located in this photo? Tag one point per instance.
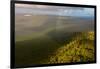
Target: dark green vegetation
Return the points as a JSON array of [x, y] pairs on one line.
[[80, 49], [53, 48], [28, 52]]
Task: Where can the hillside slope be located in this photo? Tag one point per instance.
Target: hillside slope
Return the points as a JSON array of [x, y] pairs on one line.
[[80, 49]]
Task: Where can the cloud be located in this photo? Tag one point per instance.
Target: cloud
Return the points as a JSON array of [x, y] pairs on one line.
[[55, 10], [30, 6]]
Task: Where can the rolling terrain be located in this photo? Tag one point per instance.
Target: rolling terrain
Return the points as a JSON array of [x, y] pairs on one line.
[[46, 39]]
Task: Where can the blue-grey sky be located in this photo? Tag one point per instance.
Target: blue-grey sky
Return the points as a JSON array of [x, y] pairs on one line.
[[54, 10]]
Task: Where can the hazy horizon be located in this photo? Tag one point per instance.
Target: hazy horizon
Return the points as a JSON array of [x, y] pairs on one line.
[[54, 10]]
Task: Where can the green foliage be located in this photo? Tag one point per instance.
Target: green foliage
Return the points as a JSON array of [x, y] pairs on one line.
[[80, 49]]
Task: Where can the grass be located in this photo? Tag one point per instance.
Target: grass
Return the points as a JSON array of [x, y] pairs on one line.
[[40, 48], [80, 49], [48, 49]]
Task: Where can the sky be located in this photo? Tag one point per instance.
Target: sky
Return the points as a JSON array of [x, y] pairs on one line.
[[53, 10]]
